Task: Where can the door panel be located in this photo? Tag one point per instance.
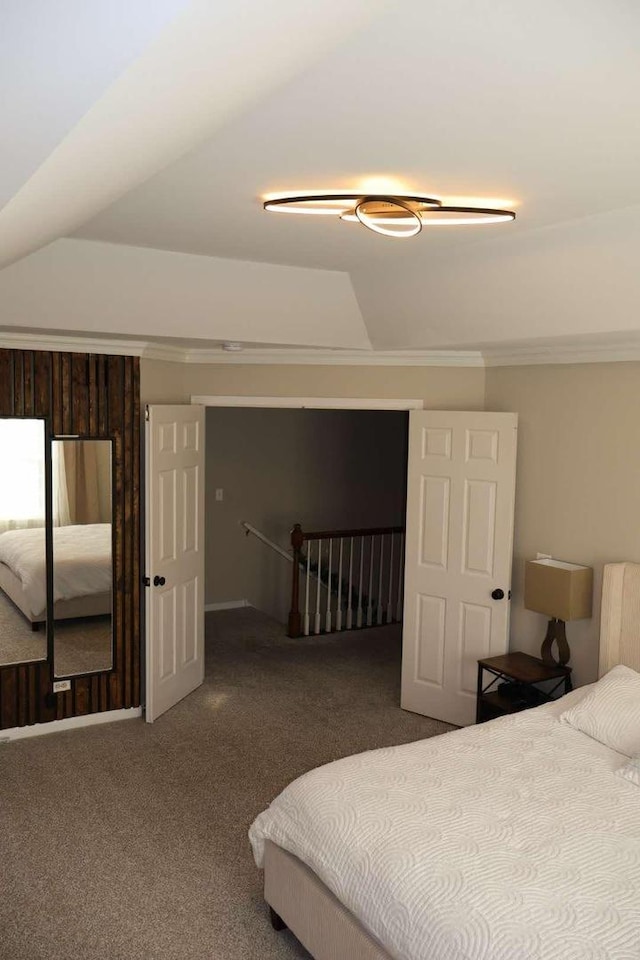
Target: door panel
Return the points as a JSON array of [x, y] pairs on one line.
[[175, 554], [431, 619], [434, 508], [459, 540], [479, 526]]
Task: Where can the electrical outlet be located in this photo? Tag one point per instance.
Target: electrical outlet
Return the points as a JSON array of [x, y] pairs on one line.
[[543, 556], [59, 686]]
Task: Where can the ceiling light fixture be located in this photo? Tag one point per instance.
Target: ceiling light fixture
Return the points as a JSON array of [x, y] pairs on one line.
[[390, 215]]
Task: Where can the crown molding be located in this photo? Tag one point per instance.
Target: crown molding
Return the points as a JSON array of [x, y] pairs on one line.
[[57, 343], [162, 351], [351, 358], [616, 349], [251, 355]]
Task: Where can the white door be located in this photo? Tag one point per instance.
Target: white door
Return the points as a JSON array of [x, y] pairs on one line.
[[174, 446], [459, 544]]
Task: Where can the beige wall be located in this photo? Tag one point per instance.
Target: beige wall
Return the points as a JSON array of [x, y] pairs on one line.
[[578, 480], [162, 381], [327, 470], [443, 388]]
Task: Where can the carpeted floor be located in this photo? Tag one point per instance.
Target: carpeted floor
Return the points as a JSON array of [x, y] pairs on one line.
[[128, 841], [18, 642], [81, 645]]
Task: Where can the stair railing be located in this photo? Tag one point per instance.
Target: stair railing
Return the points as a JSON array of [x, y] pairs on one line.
[[362, 571]]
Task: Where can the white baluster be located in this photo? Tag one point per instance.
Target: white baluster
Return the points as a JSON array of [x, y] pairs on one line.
[[339, 607], [370, 598], [327, 624], [316, 622], [390, 601], [400, 579], [381, 561], [350, 597], [359, 614], [306, 593]]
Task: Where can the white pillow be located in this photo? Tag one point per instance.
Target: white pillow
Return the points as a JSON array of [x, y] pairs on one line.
[[610, 712], [631, 771]]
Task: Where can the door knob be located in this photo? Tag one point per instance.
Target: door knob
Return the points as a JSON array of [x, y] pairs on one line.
[[497, 594], [160, 581]]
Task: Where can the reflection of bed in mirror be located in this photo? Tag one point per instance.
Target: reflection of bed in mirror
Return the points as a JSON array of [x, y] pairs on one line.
[[82, 571]]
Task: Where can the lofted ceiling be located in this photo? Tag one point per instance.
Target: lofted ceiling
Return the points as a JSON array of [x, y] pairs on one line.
[[141, 138]]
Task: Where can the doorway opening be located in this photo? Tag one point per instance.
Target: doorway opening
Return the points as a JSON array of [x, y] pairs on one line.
[[326, 470]]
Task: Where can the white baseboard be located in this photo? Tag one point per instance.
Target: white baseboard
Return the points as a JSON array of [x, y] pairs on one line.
[[70, 723], [226, 605]]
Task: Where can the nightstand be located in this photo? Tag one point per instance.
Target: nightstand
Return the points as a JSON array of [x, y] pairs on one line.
[[513, 684]]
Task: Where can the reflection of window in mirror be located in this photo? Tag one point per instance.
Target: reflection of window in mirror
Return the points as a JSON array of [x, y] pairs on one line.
[[23, 588], [22, 476]]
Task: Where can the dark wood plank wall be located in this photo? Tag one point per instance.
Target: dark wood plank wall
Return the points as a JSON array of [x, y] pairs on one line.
[[98, 396]]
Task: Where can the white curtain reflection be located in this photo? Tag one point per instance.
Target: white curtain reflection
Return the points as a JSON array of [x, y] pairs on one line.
[[22, 474], [81, 482], [61, 510]]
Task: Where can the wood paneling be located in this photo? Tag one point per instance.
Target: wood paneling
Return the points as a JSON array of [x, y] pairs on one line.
[[97, 396]]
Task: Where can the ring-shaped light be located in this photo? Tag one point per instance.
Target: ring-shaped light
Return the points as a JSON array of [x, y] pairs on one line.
[[334, 204], [389, 216], [459, 216]]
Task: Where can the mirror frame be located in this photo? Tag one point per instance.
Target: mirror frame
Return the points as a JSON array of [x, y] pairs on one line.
[[50, 620]]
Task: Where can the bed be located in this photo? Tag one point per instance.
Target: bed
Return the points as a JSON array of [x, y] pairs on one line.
[[514, 839], [82, 571]]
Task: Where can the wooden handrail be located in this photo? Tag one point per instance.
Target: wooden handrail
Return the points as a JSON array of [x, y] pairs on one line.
[[335, 534]]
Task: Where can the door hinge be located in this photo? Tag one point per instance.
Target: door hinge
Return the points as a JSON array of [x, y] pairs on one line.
[[146, 582], [146, 413]]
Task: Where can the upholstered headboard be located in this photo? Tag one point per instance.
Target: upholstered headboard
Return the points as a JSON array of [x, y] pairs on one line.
[[620, 618]]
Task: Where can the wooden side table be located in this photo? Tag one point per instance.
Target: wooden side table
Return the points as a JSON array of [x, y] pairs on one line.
[[514, 684]]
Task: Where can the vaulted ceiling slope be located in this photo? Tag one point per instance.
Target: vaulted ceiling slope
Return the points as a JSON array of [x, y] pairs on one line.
[[141, 138]]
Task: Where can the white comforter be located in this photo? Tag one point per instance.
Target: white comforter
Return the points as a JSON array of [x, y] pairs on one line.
[[512, 840], [82, 562]]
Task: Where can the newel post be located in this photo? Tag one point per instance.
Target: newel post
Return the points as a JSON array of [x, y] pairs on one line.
[[295, 623]]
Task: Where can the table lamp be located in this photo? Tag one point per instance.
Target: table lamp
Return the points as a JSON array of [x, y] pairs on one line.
[[562, 591]]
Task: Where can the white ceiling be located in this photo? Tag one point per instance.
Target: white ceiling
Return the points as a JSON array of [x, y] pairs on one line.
[[56, 59], [198, 109]]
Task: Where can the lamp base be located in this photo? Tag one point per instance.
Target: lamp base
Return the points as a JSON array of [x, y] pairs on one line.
[[556, 631]]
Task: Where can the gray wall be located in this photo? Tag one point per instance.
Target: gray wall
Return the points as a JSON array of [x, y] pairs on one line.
[[324, 469]]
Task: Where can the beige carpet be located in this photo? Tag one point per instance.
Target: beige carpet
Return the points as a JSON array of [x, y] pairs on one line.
[[129, 841], [18, 642], [81, 645]]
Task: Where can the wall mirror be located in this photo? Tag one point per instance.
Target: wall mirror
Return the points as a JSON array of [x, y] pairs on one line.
[[82, 555], [23, 580]]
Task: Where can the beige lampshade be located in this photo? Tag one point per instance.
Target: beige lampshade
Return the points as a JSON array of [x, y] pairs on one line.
[[558, 589]]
